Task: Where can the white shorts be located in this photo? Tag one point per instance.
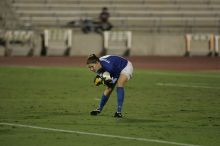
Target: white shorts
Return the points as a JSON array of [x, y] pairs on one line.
[[128, 70]]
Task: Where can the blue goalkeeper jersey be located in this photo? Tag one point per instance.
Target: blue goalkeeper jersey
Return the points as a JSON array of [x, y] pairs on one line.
[[113, 64]]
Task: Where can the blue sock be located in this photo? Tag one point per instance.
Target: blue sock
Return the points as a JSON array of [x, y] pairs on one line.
[[103, 101], [120, 95]]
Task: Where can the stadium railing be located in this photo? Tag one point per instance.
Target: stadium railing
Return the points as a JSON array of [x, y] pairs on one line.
[[19, 43], [57, 42], [118, 42], [210, 38], [217, 45]]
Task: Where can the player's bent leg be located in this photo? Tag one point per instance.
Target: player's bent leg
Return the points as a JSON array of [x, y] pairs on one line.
[[103, 101], [105, 97], [120, 94], [120, 98]]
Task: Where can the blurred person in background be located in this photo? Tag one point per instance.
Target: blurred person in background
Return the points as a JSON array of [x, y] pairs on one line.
[[104, 24]]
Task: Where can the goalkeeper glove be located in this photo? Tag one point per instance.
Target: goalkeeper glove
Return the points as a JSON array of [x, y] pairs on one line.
[[98, 80]]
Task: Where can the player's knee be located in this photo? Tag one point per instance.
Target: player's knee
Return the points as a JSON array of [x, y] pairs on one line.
[[120, 84], [108, 91]]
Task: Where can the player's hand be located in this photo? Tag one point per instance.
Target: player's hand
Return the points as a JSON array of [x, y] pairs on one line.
[[98, 80]]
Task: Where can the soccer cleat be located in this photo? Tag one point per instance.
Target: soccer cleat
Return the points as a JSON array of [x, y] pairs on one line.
[[95, 112], [118, 115]]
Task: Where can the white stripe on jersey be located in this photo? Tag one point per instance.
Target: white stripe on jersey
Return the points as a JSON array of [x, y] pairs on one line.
[[103, 58]]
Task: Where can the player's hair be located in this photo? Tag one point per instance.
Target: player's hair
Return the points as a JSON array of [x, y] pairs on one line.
[[92, 59]]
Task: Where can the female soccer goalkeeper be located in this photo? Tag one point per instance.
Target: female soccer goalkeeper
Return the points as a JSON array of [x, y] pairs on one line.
[[120, 71]]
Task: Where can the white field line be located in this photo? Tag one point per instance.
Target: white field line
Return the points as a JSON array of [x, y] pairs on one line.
[[183, 74], [186, 86], [99, 134]]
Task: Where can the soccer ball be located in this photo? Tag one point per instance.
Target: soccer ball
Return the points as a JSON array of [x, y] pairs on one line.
[[106, 75]]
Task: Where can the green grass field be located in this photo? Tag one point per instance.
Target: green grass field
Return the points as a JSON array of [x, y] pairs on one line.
[[160, 107]]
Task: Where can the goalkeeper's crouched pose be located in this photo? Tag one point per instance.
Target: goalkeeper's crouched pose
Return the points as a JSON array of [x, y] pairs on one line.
[[111, 71]]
